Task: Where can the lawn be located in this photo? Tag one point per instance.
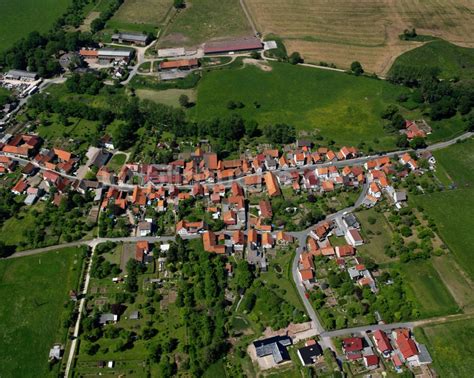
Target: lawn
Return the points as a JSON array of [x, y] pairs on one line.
[[452, 213], [344, 108], [376, 236], [24, 16], [13, 231], [279, 273], [457, 163], [452, 61], [32, 310], [140, 15], [168, 97], [427, 289], [203, 20], [451, 347], [117, 161]]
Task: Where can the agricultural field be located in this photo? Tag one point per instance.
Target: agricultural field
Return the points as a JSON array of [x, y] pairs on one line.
[[24, 16], [342, 31], [203, 20], [427, 289], [452, 214], [452, 61], [140, 15], [450, 345], [33, 311], [341, 107]]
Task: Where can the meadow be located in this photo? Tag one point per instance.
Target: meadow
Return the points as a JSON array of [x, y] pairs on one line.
[[140, 15], [427, 289], [457, 163], [452, 213], [451, 347], [341, 31], [452, 61], [342, 107], [24, 16], [32, 311], [203, 20]]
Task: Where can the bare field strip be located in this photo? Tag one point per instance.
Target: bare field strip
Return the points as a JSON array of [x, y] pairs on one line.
[[340, 31]]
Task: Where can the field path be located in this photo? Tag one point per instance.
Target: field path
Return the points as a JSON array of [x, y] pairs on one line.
[[249, 18]]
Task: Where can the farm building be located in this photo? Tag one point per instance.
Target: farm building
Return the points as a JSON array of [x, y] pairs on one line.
[[182, 64], [89, 54], [241, 44], [133, 38], [21, 75], [110, 55], [178, 51]]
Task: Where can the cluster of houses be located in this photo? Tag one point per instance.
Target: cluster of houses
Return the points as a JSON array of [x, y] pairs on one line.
[[398, 347], [319, 244]]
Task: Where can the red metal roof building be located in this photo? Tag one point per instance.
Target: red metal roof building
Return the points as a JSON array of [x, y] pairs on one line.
[[241, 44], [180, 64]]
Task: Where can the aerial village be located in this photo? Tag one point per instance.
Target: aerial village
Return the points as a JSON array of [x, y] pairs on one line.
[[231, 205], [228, 204]]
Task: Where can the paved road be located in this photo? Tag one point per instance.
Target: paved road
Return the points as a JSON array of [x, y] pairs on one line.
[[302, 236], [94, 242], [72, 349]]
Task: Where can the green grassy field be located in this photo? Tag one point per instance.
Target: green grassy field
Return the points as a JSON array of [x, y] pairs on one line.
[[13, 231], [117, 161], [282, 264], [451, 346], [203, 20], [452, 213], [140, 15], [453, 61], [456, 163], [343, 107], [168, 97], [33, 291], [24, 16], [376, 236], [427, 289]]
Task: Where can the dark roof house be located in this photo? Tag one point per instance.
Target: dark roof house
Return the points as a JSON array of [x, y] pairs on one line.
[[275, 346]]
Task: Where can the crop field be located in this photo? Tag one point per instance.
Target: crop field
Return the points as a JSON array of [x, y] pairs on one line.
[[203, 20], [341, 31], [451, 60], [342, 107], [140, 15], [428, 289], [450, 346], [32, 310], [452, 212], [21, 17]]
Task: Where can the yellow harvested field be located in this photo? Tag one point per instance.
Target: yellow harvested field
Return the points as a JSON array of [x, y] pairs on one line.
[[143, 11], [341, 31]]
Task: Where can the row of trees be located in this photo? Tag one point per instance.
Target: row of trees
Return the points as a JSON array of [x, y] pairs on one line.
[[99, 23]]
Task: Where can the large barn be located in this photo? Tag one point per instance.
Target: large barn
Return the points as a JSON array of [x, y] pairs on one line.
[[233, 45]]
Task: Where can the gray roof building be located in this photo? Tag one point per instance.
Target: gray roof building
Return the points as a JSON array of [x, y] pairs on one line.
[[130, 37], [21, 74], [275, 346]]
